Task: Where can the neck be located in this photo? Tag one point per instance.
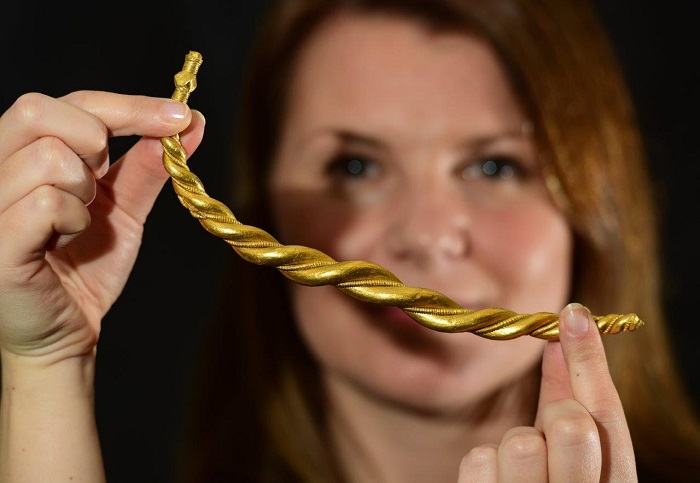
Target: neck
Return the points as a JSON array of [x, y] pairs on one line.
[[380, 440]]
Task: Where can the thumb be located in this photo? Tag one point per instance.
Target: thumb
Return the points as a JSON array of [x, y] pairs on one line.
[[138, 177], [555, 383]]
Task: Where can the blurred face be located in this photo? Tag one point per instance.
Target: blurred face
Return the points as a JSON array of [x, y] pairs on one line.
[[408, 149]]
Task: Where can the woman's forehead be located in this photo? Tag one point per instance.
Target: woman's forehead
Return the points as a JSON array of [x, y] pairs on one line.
[[389, 70]]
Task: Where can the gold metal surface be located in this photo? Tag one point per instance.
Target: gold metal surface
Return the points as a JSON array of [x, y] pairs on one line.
[[362, 280]]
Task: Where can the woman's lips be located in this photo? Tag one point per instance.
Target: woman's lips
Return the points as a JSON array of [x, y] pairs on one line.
[[398, 318]]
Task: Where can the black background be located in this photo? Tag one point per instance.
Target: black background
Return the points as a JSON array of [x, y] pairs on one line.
[[151, 336]]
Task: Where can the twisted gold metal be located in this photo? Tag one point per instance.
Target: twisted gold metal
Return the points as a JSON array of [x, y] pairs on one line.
[[362, 280]]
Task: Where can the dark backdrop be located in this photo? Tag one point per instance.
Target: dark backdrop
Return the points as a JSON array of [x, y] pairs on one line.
[[150, 338]]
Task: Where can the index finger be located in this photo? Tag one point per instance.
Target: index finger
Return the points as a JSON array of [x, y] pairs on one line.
[[84, 120], [592, 386], [127, 115]]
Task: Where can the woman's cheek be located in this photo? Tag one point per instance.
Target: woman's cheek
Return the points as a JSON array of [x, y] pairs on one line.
[[530, 251], [338, 230], [309, 218]]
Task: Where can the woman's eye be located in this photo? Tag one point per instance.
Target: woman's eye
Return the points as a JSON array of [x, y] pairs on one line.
[[494, 168], [350, 166]]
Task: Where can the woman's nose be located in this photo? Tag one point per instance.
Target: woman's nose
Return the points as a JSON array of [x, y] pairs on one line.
[[429, 225]]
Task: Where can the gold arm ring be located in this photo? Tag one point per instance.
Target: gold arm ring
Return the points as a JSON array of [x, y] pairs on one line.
[[365, 281]]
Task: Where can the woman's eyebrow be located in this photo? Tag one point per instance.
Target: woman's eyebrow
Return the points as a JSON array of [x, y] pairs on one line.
[[345, 136], [358, 138], [471, 143], [479, 142], [353, 137]]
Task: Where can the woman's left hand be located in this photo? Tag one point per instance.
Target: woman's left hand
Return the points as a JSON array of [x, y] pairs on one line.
[[580, 431]]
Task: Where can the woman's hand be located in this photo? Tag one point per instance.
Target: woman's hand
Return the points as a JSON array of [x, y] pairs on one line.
[[580, 432], [70, 230], [71, 223]]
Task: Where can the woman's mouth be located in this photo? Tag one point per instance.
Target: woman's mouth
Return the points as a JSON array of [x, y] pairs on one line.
[[396, 319]]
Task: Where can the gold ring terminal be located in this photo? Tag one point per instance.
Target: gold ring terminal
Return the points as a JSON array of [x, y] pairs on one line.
[[362, 280]]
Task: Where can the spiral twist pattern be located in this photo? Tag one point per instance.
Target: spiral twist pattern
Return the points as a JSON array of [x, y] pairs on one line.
[[362, 280]]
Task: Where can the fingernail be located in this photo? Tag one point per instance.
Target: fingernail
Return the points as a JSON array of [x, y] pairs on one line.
[[575, 316], [174, 110]]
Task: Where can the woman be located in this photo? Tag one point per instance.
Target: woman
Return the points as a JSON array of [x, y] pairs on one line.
[[454, 144], [565, 79]]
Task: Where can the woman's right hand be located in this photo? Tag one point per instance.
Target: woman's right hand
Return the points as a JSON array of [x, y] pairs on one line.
[[71, 223]]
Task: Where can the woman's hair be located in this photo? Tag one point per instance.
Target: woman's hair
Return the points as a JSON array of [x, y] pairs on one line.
[[259, 409]]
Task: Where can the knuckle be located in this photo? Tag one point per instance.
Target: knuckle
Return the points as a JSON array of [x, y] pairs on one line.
[[523, 445], [574, 429], [140, 102], [144, 108], [97, 135], [587, 353], [28, 108], [52, 152], [608, 412], [47, 199], [76, 98], [479, 457], [59, 164]]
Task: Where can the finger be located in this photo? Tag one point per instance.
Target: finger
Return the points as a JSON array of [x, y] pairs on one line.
[[136, 179], [28, 225], [554, 384], [127, 115], [34, 116], [573, 443], [593, 388], [522, 456], [480, 465], [47, 161], [85, 119]]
